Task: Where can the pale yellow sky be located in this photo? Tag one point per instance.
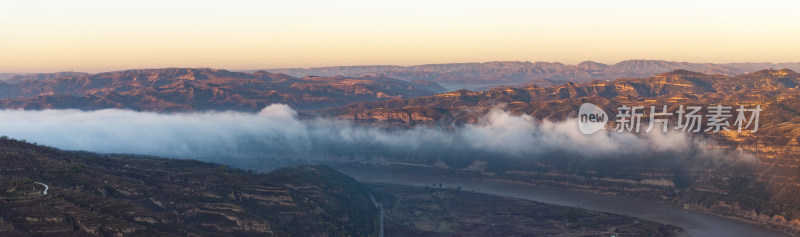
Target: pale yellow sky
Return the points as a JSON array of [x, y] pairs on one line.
[[101, 35]]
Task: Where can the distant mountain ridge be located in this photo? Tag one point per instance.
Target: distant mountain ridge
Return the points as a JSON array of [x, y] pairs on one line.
[[476, 75], [558, 101], [189, 89], [14, 78]]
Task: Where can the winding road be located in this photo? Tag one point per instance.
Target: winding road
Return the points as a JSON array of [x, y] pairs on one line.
[[46, 188], [378, 205]]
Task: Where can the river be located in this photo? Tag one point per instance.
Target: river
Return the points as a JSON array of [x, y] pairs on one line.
[[695, 223]]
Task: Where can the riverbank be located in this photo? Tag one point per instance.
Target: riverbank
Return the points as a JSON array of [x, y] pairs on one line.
[[695, 223], [451, 211]]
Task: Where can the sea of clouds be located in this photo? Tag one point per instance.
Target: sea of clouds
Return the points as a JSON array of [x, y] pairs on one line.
[[277, 130]]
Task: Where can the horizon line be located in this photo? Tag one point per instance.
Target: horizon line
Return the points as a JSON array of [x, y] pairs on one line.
[[398, 65]]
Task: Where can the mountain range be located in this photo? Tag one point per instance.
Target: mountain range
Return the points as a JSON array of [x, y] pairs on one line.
[[763, 194], [487, 74], [557, 102], [191, 89]]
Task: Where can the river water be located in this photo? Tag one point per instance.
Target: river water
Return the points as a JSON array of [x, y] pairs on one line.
[[695, 223]]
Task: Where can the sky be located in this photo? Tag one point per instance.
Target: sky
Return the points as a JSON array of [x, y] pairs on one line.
[[102, 35]]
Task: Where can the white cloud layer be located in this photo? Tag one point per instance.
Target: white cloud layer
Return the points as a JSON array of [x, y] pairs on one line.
[[276, 129]]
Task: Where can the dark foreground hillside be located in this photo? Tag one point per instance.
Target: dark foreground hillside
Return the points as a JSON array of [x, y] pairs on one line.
[[91, 195]]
